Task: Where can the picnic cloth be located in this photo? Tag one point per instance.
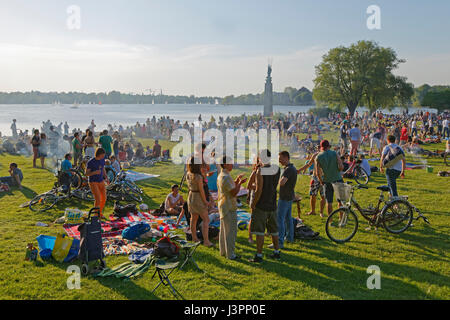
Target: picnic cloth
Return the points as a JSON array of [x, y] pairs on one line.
[[241, 216], [110, 229], [137, 176], [410, 166], [149, 218], [119, 246], [241, 193]]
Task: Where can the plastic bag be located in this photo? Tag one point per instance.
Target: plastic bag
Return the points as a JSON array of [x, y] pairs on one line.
[[73, 216], [63, 243]]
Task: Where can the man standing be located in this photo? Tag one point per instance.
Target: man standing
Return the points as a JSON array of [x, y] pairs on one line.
[[14, 129], [287, 195], [327, 169], [264, 206], [105, 141], [393, 159], [445, 127], [227, 204], [355, 139]]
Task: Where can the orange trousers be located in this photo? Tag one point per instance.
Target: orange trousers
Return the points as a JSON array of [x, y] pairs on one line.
[[99, 191]]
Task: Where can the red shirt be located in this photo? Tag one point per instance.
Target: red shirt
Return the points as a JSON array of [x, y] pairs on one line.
[[404, 134]]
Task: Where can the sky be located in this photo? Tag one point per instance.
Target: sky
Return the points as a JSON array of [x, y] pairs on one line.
[[206, 47]]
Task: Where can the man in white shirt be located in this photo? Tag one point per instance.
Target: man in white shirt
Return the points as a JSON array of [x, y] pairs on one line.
[[413, 128], [445, 127], [396, 170]]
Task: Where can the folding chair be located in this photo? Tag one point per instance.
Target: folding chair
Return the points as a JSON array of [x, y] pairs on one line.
[[188, 251], [162, 269]]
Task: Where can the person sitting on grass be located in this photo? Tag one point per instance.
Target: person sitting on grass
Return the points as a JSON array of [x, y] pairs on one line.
[[15, 178], [115, 164], [174, 202], [66, 164]]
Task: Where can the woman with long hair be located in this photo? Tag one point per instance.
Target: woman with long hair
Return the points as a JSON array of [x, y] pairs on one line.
[[197, 203]]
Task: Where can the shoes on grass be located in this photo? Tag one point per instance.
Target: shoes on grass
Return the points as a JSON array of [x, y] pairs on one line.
[[256, 259]]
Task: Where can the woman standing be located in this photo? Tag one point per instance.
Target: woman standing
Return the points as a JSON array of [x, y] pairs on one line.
[[96, 172], [197, 203], [43, 149], [35, 142], [89, 143]]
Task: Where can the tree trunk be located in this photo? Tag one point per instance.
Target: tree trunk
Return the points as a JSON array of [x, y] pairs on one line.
[[351, 109]]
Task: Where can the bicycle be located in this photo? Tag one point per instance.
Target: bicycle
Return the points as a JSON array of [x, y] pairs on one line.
[[357, 172], [123, 189], [395, 216]]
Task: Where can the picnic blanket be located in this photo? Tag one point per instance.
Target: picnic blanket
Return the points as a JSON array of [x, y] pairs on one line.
[[241, 216], [119, 246], [410, 166], [110, 229], [241, 193], [137, 176], [149, 218]]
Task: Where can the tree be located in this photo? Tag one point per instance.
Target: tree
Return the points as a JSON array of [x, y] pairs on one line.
[[439, 99], [360, 75]]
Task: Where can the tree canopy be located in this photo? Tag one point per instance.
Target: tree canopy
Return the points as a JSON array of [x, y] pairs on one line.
[[438, 99], [361, 75]]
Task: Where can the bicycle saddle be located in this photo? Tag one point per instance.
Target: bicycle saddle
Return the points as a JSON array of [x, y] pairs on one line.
[[383, 188]]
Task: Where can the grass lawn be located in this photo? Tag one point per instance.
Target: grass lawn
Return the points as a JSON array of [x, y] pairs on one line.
[[414, 265]]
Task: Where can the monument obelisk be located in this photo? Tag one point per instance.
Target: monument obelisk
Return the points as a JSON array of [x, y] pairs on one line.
[[268, 94]]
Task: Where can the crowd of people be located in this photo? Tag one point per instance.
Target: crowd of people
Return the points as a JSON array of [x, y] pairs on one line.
[[360, 136]]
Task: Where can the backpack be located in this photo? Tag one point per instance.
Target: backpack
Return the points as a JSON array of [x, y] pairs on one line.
[[166, 248], [135, 230], [393, 156], [304, 232], [160, 211], [122, 211]]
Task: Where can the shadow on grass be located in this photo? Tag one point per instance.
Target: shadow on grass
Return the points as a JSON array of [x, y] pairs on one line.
[[125, 287]]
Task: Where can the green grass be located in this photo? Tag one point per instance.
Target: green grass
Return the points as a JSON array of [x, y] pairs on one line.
[[414, 265]]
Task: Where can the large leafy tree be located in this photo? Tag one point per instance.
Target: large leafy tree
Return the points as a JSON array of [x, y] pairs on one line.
[[361, 75], [439, 99]]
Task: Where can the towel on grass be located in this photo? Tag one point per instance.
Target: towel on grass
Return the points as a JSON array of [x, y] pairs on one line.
[[137, 176]]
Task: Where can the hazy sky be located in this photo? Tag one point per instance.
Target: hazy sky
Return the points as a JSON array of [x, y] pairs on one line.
[[207, 47]]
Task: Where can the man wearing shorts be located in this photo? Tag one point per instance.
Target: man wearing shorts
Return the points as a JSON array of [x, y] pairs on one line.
[[264, 207], [328, 167], [375, 141]]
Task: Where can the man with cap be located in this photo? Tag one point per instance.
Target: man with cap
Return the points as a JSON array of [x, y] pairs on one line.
[[328, 166]]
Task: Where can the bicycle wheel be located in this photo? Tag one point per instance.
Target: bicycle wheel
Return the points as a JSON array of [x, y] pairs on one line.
[[361, 176], [341, 225], [397, 216], [43, 202], [83, 194], [76, 180], [133, 186]]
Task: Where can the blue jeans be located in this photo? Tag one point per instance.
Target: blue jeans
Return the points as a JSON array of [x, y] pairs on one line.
[[284, 217], [446, 133], [391, 177]]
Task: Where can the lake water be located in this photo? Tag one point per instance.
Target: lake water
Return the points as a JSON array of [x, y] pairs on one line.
[[31, 116]]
